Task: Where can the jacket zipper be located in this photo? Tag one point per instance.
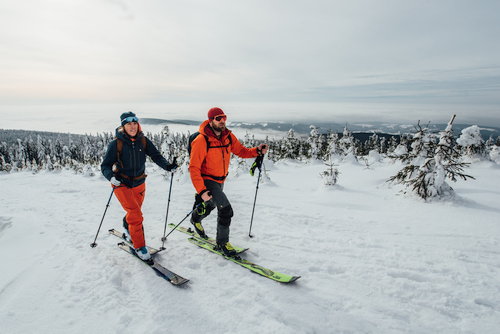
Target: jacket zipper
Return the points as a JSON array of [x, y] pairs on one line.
[[134, 162], [223, 158]]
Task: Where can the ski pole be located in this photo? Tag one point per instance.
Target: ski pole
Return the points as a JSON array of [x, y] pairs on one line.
[[166, 216], [255, 199], [94, 244], [196, 207]]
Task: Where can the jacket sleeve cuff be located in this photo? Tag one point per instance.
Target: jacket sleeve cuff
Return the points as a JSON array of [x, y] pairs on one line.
[[203, 191]]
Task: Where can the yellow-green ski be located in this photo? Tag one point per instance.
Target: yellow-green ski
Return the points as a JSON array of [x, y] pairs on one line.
[[279, 277], [211, 241]]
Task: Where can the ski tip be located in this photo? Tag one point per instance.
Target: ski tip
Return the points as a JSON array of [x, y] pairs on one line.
[[293, 279], [178, 281]]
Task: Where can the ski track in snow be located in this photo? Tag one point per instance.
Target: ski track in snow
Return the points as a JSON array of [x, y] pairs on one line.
[[371, 259]]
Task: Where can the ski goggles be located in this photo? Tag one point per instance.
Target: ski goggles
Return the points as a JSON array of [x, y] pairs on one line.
[[130, 119], [220, 118]]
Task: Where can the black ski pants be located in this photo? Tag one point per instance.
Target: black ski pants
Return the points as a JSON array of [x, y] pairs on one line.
[[224, 210]]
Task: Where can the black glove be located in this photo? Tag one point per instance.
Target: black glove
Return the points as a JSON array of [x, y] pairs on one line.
[[259, 151], [201, 209], [173, 165], [256, 164]]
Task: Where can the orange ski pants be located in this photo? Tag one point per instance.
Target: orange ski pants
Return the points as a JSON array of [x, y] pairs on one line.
[[131, 200]]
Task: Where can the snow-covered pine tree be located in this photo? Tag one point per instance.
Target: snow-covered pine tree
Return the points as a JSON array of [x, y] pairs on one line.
[[5, 153], [56, 166], [48, 164], [391, 146], [289, 146], [167, 143], [315, 143], [490, 142], [384, 145], [2, 163], [273, 152], [422, 144], [31, 153], [304, 150], [332, 144], [331, 174], [427, 172], [58, 150], [402, 151], [249, 140], [66, 156], [346, 143], [471, 142], [372, 144], [448, 157], [495, 153], [41, 152], [19, 155]]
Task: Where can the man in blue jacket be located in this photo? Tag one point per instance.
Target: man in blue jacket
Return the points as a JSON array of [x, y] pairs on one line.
[[124, 166]]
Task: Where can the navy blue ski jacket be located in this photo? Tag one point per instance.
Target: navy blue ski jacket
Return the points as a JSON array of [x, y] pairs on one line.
[[133, 157]]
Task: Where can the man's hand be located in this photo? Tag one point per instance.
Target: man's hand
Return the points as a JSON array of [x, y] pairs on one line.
[[206, 196], [262, 149]]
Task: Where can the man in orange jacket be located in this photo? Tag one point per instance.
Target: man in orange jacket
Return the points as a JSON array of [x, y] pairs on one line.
[[208, 167]]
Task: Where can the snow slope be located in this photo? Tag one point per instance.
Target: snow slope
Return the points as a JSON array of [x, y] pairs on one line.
[[371, 260]]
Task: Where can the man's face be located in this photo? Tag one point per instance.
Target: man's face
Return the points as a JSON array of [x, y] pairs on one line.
[[219, 123]]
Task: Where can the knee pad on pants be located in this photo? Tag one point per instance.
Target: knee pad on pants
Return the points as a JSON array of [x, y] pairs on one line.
[[224, 215]]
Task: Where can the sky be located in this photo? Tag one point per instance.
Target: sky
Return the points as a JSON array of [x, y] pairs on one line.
[[333, 60]]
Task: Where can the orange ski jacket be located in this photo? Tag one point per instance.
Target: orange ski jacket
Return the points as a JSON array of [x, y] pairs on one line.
[[212, 163]]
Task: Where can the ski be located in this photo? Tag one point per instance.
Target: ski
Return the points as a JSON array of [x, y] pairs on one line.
[[210, 241], [283, 278], [122, 236], [160, 270]]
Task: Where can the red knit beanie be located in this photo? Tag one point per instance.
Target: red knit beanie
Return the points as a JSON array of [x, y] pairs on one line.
[[212, 113]]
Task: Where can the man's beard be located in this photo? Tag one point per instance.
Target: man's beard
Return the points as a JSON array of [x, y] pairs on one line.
[[219, 127]]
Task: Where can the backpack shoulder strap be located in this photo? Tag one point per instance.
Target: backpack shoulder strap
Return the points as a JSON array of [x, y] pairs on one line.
[[208, 142], [143, 140], [119, 147]]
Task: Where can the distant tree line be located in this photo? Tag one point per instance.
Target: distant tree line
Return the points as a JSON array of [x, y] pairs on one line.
[[429, 158]]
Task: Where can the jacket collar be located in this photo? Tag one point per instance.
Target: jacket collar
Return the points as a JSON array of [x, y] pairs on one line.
[[120, 133], [206, 129]]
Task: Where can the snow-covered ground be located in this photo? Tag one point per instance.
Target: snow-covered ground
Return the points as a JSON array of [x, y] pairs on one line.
[[371, 260]]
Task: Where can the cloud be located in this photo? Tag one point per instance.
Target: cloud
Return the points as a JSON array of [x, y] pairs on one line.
[[283, 51]]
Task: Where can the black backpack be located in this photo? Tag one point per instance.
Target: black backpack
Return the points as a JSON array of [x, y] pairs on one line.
[[196, 134]]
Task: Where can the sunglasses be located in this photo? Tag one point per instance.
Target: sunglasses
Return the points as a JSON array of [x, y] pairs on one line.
[[130, 119], [220, 118]]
